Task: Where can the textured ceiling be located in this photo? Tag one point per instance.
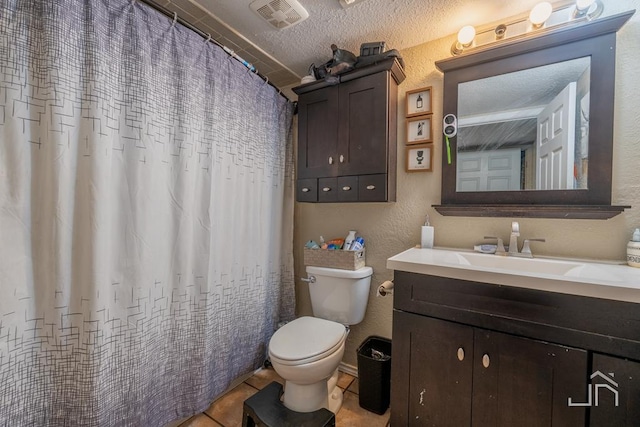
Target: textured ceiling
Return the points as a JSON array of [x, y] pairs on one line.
[[400, 23]]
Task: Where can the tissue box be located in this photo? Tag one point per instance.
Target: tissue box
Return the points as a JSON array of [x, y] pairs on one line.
[[345, 260]]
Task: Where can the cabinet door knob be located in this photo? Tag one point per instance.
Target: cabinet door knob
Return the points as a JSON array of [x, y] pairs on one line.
[[371, 187], [325, 189], [330, 160], [341, 158], [486, 361], [346, 188], [305, 190], [461, 354]]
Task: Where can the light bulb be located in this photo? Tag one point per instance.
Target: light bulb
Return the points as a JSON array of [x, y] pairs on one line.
[[584, 4], [466, 35], [540, 13]]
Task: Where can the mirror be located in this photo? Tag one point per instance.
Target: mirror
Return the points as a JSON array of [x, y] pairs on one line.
[[499, 95], [533, 136]]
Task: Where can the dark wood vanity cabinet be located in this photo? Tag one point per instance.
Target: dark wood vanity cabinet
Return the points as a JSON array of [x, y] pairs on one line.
[[459, 375], [476, 354], [627, 377], [347, 136]]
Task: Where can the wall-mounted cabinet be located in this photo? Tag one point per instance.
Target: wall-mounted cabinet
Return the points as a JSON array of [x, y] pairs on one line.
[[347, 136]]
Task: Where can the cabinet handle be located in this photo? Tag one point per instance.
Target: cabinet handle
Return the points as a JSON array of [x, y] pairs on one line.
[[486, 361], [461, 354], [371, 187], [346, 188], [325, 189], [330, 160], [341, 158], [305, 190]]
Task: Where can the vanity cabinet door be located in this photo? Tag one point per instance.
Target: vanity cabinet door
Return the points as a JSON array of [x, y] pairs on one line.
[[625, 384], [432, 372], [526, 383]]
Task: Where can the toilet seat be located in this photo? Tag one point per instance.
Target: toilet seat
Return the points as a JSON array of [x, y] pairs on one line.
[[306, 340]]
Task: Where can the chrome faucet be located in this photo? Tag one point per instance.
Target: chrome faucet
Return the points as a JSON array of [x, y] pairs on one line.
[[513, 243], [513, 240]]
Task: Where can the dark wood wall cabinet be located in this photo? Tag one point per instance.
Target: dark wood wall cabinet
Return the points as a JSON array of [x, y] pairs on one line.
[[347, 136], [475, 354]]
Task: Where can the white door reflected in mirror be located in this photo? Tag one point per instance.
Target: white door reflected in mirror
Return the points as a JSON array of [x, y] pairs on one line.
[[526, 130]]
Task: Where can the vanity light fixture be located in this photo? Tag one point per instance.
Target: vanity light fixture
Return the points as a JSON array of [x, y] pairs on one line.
[[591, 9], [540, 13], [542, 17], [464, 40]]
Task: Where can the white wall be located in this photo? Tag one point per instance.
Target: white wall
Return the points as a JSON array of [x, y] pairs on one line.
[[390, 228]]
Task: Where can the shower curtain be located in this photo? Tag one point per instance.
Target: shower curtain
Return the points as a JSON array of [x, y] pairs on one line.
[[145, 216]]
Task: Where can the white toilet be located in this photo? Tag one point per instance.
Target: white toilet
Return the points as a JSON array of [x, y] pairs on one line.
[[307, 351]]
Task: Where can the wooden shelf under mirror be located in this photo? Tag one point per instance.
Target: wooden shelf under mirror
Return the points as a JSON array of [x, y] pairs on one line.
[[533, 185], [532, 211]]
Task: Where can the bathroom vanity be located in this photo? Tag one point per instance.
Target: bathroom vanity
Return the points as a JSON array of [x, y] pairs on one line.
[[484, 340]]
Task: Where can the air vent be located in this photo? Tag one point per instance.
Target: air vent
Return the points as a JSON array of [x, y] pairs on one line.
[[280, 13]]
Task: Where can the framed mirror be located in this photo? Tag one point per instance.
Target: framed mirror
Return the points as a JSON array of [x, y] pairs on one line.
[[534, 125]]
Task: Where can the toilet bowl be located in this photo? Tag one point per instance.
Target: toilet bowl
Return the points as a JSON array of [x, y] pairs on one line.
[[307, 351]]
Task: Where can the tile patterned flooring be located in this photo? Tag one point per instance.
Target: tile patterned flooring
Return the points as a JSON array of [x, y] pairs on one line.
[[226, 411]]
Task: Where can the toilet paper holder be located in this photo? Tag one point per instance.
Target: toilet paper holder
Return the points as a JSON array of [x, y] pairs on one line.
[[386, 288]]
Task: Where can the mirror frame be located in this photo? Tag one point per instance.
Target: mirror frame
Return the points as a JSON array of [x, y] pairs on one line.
[[596, 39]]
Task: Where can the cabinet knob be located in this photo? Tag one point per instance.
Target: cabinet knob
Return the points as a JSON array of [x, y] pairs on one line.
[[305, 190], [325, 189], [330, 160], [346, 188], [371, 187], [486, 361], [461, 354], [341, 158]]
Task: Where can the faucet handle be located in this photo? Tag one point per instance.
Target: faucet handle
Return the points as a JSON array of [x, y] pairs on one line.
[[500, 250], [515, 228], [526, 248]]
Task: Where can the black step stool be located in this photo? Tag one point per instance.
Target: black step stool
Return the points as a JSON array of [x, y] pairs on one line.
[[265, 409]]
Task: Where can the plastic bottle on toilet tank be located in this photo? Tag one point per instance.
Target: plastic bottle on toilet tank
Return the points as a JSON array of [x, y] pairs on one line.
[[348, 240]]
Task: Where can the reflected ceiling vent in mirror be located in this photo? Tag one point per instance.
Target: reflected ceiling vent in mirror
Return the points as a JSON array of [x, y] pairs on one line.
[[280, 13]]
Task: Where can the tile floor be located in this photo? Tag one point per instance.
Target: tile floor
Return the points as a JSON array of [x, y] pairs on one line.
[[226, 411]]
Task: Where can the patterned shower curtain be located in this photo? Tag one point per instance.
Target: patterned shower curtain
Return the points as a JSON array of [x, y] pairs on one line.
[[145, 216]]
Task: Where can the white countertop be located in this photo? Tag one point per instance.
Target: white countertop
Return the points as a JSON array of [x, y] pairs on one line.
[[575, 277]]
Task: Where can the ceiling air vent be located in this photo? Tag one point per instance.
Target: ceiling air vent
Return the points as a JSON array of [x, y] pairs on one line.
[[280, 13]]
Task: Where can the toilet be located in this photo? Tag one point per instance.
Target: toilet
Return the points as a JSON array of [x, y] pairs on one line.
[[307, 351]]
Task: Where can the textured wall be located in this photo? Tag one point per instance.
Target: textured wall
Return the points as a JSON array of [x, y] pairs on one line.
[[390, 228]]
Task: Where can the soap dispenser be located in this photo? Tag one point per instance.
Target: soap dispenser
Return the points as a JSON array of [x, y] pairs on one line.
[[633, 249], [426, 235]]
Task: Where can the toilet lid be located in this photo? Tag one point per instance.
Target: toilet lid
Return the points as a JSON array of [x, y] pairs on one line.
[[305, 338]]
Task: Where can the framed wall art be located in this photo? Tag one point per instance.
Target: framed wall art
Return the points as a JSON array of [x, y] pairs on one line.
[[419, 130], [419, 101], [419, 158]]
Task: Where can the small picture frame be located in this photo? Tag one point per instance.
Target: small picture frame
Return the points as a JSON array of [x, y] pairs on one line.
[[420, 158], [419, 102], [419, 130]]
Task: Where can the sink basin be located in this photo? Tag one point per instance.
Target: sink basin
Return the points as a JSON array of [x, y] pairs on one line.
[[577, 277], [531, 265]]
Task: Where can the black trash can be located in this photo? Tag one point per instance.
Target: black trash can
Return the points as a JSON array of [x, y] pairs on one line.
[[374, 374]]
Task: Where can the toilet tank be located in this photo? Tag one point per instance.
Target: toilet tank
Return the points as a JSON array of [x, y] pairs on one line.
[[340, 295]]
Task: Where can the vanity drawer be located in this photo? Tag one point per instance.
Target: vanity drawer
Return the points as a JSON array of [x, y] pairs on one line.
[[327, 189], [596, 324]]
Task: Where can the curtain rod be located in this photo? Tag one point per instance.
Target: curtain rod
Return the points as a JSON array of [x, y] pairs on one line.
[[174, 16]]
